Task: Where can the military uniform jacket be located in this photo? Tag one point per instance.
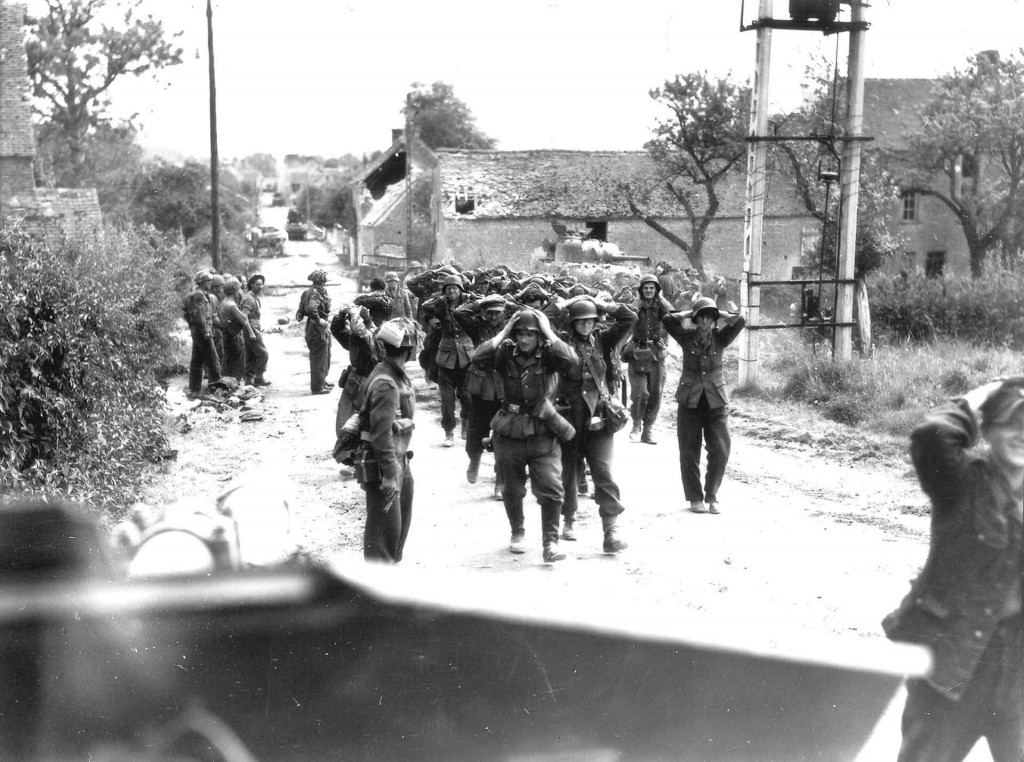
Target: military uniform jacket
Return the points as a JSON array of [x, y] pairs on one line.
[[232, 320], [317, 303], [454, 347], [252, 308], [974, 558], [584, 385], [201, 312], [702, 363], [390, 402], [649, 333], [528, 379], [482, 380]]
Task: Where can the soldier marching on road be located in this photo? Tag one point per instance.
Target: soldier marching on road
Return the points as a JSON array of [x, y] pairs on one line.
[[527, 429], [645, 355]]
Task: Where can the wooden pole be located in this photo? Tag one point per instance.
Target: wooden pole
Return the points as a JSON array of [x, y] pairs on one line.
[[850, 187], [214, 155], [408, 178], [757, 153]]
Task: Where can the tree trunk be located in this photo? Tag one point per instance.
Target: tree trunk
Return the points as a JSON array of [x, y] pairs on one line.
[[693, 253]]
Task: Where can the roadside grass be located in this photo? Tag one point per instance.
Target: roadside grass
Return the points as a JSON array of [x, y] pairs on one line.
[[865, 406]]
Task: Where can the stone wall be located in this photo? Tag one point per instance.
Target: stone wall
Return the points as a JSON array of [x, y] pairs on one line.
[[56, 214], [475, 243]]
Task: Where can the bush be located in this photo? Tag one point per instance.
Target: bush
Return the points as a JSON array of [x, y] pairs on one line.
[[988, 311], [84, 333]]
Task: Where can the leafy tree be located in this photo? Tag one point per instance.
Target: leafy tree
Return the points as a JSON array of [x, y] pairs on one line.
[[805, 161], [442, 120], [74, 58], [177, 200], [263, 163], [696, 148], [970, 152], [112, 158]]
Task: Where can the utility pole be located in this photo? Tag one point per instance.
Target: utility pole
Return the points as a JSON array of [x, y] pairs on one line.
[[214, 155], [850, 185], [757, 154]]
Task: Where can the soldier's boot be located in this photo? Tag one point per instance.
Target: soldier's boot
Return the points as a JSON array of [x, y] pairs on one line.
[[449, 439], [517, 544], [634, 435], [551, 553], [647, 437], [569, 529], [473, 470], [260, 381], [612, 542], [247, 380]]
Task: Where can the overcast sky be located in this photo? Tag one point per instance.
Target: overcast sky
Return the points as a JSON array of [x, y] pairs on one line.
[[329, 77]]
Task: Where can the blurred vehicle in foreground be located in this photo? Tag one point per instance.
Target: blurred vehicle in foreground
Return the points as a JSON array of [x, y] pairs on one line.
[[223, 658]]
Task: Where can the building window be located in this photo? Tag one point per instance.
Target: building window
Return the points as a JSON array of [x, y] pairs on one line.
[[968, 166], [597, 229], [935, 264], [909, 207], [465, 201]]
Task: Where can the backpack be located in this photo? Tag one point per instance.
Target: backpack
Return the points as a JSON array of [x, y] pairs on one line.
[[187, 310]]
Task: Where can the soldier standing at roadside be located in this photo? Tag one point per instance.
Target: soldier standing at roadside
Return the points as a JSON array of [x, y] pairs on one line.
[[645, 355], [237, 331], [585, 388], [703, 401], [216, 295], [315, 305], [256, 355], [527, 429], [390, 406], [200, 323]]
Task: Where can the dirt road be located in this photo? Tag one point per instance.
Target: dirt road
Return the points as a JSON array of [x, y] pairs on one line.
[[807, 546]]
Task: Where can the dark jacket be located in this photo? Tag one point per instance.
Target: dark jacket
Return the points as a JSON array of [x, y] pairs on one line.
[[390, 407], [482, 380], [586, 383], [702, 364], [955, 604], [649, 333], [453, 345], [201, 312], [528, 380]]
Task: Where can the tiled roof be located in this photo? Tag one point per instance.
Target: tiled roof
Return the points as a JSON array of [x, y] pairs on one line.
[[576, 185], [893, 110], [16, 137], [544, 183]]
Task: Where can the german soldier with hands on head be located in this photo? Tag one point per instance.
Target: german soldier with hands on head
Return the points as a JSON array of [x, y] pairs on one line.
[[966, 603], [703, 412], [529, 356], [585, 388]]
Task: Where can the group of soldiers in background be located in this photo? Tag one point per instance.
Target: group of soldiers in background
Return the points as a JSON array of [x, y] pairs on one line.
[[531, 366], [224, 318]]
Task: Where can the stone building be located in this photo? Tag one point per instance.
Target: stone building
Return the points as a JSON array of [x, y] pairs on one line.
[[48, 213], [497, 206], [933, 241]]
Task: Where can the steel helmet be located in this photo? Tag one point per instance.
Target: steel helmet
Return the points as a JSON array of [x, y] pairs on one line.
[[527, 321], [583, 309], [703, 304], [201, 276], [652, 279], [217, 280], [452, 280]]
